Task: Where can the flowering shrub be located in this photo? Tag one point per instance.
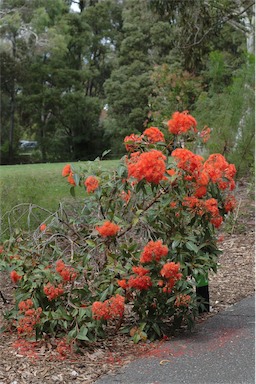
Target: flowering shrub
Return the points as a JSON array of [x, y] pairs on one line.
[[143, 237]]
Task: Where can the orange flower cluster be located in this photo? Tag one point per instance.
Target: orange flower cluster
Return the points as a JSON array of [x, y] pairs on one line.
[[67, 273], [15, 277], [140, 282], [108, 229], [230, 203], [171, 273], [153, 251], [220, 171], [181, 122], [132, 142], [140, 271], [201, 207], [205, 134], [91, 183], [53, 292], [154, 135], [109, 309], [126, 196], [182, 301], [148, 165], [193, 166], [122, 283], [188, 161], [216, 170], [25, 305], [31, 318], [67, 172]]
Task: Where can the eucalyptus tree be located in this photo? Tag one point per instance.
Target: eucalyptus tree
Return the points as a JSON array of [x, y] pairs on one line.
[[13, 44], [146, 42], [198, 22], [68, 57], [23, 37]]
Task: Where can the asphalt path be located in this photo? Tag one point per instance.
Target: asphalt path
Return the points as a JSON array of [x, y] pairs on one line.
[[221, 350]]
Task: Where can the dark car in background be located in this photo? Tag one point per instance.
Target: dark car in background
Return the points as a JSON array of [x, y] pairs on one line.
[[28, 144]]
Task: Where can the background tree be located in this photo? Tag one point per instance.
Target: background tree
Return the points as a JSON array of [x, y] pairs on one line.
[[78, 81]]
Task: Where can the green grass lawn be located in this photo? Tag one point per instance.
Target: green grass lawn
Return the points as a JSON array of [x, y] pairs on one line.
[[40, 184]]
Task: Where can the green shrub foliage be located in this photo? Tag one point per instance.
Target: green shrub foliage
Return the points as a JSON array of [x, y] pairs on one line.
[[130, 254]]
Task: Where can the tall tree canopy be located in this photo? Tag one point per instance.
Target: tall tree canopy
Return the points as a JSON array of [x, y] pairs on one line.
[[77, 76]]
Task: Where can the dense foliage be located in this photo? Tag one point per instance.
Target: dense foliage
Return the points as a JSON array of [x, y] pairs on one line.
[[134, 250], [77, 80]]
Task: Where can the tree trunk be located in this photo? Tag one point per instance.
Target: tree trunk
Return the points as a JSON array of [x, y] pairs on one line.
[[12, 126]]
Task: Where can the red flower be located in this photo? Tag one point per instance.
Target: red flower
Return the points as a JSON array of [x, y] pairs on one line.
[[154, 135], [53, 292], [188, 161], [205, 134], [153, 251], [122, 283], [200, 191], [27, 323], [63, 348], [91, 184], [15, 277], [42, 227], [171, 172], [109, 309], [216, 221], [211, 206], [66, 170], [71, 179], [132, 142], [230, 203], [181, 122], [182, 301], [203, 178], [140, 282], [171, 270], [108, 229], [126, 196], [25, 305], [220, 171], [67, 273], [148, 165], [140, 270]]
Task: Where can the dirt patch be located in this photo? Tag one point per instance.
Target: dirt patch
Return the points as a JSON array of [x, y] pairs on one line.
[[234, 281]]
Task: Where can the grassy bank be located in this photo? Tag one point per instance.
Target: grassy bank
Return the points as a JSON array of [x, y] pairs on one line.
[[39, 184]]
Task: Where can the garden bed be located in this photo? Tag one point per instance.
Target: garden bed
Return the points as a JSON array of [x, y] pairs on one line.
[[234, 281]]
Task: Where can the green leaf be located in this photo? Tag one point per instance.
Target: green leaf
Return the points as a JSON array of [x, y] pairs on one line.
[[72, 334], [91, 243], [104, 295], [76, 178], [175, 244], [192, 246], [171, 299], [156, 328], [105, 153], [82, 333], [82, 312], [136, 338], [72, 191]]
